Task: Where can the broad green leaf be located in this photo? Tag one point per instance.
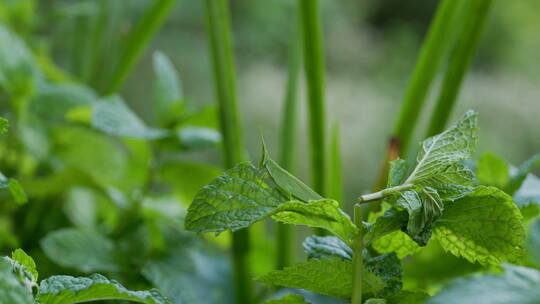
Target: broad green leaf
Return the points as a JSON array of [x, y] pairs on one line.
[[26, 261], [529, 192], [492, 170], [12, 290], [398, 242], [286, 181], [517, 285], [53, 101], [4, 125], [198, 137], [84, 250], [67, 290], [438, 162], [424, 208], [80, 207], [321, 214], [392, 220], [17, 191], [326, 247], [387, 267], [234, 200], [186, 178], [375, 301], [288, 299], [397, 172], [112, 116], [518, 177], [484, 226], [533, 243], [331, 277], [408, 297], [167, 90]]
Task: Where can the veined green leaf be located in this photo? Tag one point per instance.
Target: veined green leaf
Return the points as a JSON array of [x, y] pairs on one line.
[[289, 299], [529, 192], [424, 208], [198, 137], [392, 220], [326, 247], [533, 243], [234, 200], [492, 170], [518, 177], [397, 172], [484, 226], [398, 242], [4, 125], [438, 162], [331, 277], [387, 267], [167, 90], [320, 214], [286, 181], [12, 290], [26, 261], [516, 285], [112, 116], [68, 290], [85, 250]]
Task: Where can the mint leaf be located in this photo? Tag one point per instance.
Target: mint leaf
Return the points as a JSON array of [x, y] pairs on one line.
[[397, 172], [516, 285], [326, 247], [112, 116], [484, 226], [4, 125], [17, 191], [85, 250], [321, 214], [289, 299], [286, 181], [331, 277], [388, 268], [26, 261], [398, 242], [529, 192], [198, 137], [518, 177], [12, 289], [492, 170], [408, 297], [391, 220], [533, 243], [424, 208], [438, 162], [66, 290], [167, 90], [234, 200]]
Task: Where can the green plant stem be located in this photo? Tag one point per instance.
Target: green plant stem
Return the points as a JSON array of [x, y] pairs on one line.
[[433, 52], [233, 144], [477, 12], [138, 41], [289, 139], [314, 72], [357, 257], [366, 198]]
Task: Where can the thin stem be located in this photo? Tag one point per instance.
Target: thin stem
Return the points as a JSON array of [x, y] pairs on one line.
[[314, 72], [474, 22], [366, 198], [138, 40], [289, 139], [357, 258], [233, 145], [433, 52]]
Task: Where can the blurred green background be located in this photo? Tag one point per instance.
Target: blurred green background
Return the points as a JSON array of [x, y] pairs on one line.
[[371, 47]]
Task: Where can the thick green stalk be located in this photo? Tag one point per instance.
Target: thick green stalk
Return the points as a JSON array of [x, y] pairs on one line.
[[477, 12], [289, 139], [138, 40], [433, 52], [357, 257], [314, 73], [233, 145]]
